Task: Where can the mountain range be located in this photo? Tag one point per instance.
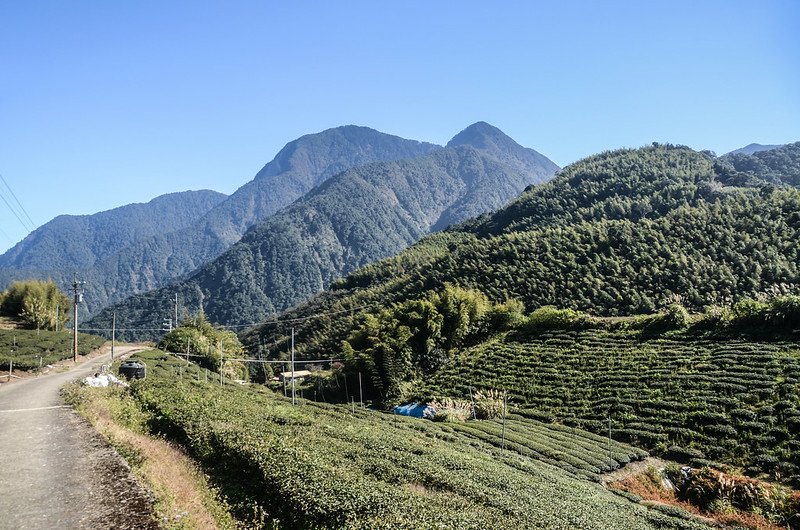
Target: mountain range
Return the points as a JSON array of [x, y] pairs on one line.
[[358, 216], [115, 265]]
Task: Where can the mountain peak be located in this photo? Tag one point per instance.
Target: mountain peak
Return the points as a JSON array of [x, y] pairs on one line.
[[481, 135], [492, 141], [753, 148], [333, 150]]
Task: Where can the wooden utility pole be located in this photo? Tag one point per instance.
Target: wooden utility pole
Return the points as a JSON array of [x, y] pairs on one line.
[[113, 332], [77, 291], [293, 399]]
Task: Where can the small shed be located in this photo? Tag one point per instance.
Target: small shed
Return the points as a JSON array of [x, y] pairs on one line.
[[299, 375]]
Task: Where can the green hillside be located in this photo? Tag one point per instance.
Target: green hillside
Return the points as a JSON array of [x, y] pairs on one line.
[[620, 233], [779, 165], [623, 233], [332, 466]]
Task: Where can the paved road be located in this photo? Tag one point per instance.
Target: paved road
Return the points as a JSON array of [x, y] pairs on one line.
[[56, 472]]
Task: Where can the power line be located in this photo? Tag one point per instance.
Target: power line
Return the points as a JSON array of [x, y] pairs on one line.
[[7, 236], [304, 361], [298, 319], [13, 211], [17, 200], [275, 321]]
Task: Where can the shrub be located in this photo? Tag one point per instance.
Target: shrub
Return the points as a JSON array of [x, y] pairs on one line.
[[549, 317], [674, 317]]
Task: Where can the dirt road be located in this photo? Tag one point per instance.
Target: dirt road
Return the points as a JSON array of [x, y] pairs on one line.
[[56, 472]]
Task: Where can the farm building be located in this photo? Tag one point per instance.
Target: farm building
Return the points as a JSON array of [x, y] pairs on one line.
[[299, 375]]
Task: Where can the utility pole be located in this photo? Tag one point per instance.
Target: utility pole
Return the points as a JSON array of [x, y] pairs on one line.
[[292, 365], [77, 291], [176, 310], [113, 332]]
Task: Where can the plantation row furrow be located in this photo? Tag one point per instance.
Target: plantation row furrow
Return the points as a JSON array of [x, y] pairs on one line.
[[658, 393]]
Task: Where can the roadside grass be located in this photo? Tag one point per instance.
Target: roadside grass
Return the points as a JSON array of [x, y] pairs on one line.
[[184, 500]]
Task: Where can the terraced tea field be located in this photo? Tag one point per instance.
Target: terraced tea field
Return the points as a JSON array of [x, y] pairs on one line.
[[337, 466], [696, 399], [25, 347]]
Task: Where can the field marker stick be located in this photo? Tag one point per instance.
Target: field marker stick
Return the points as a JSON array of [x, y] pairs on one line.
[[505, 405], [473, 403], [360, 390]]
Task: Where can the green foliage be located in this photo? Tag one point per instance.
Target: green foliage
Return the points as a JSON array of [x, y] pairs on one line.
[[673, 317], [780, 166], [417, 337], [549, 317], [323, 466], [197, 336], [40, 304]]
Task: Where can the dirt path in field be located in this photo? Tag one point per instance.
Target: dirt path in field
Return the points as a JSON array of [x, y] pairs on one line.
[[55, 470]]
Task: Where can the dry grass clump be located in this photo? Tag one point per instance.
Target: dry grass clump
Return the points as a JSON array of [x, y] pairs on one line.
[[449, 410], [489, 404]]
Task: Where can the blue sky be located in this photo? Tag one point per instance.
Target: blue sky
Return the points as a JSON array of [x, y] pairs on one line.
[[106, 103]]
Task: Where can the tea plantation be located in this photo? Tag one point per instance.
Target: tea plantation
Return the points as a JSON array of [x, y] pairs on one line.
[[317, 465], [25, 347], [692, 398]]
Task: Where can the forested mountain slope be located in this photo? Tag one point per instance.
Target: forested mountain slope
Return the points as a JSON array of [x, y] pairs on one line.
[[357, 217], [167, 254], [619, 233], [777, 166]]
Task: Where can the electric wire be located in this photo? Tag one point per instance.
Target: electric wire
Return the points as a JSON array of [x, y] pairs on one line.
[[21, 207]]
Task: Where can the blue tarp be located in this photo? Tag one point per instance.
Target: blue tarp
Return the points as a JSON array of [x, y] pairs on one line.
[[415, 410]]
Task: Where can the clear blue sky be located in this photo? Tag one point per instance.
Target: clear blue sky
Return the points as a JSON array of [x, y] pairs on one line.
[[104, 103]]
